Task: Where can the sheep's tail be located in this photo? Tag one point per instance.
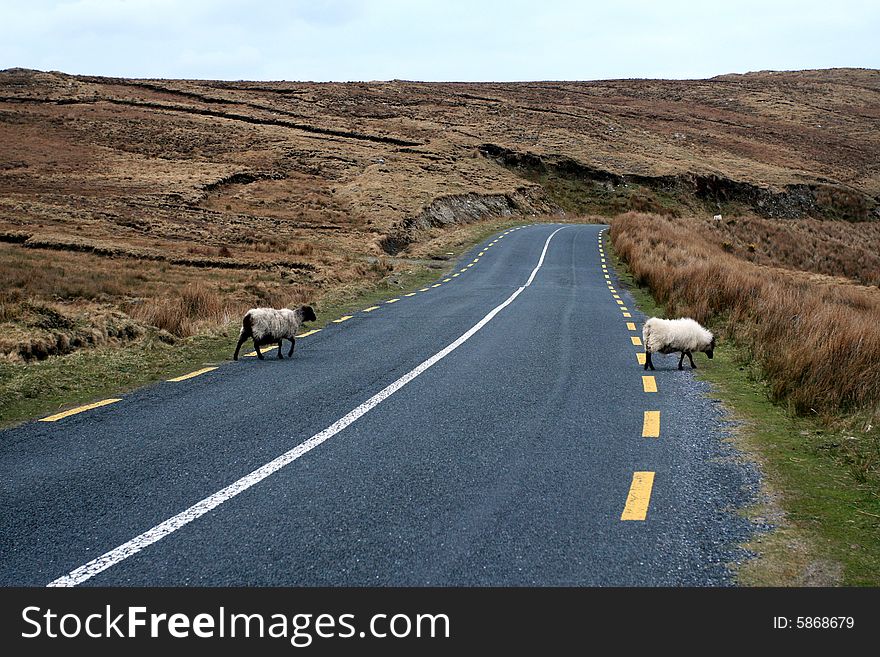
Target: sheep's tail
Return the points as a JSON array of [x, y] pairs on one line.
[[247, 330], [247, 324], [647, 330]]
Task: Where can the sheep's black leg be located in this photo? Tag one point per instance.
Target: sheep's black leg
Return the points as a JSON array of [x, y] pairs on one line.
[[280, 356], [648, 361], [681, 360], [691, 358], [241, 340], [292, 347], [257, 348]]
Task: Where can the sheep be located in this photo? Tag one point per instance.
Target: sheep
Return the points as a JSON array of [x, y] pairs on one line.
[[268, 325], [669, 335]]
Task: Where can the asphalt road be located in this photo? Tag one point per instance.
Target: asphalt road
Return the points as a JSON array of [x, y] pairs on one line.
[[483, 432]]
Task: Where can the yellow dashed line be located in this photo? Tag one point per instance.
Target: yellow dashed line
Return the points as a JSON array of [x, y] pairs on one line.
[[619, 302], [392, 300], [641, 357], [612, 290], [636, 340], [446, 280], [651, 424], [344, 318], [624, 308], [463, 270], [639, 496], [631, 326], [192, 374], [437, 284], [471, 265], [78, 409], [481, 253], [371, 309], [476, 260], [616, 296], [649, 383], [456, 275], [424, 289], [411, 294], [627, 315], [308, 333]]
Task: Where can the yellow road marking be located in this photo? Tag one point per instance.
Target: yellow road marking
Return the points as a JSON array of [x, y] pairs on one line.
[[607, 276], [616, 296], [446, 280], [627, 315], [651, 425], [649, 383], [639, 496], [307, 333], [344, 318], [481, 253], [476, 260], [192, 374], [437, 284], [636, 340], [603, 259], [392, 300], [424, 289], [612, 290], [462, 270], [471, 265], [624, 307], [619, 302], [371, 309], [456, 275], [78, 409], [641, 357], [411, 294], [631, 326]]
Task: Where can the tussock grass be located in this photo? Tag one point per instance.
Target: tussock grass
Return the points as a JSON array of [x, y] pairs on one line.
[[818, 343]]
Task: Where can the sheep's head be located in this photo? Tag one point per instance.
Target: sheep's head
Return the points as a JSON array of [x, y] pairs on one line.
[[710, 350], [309, 314]]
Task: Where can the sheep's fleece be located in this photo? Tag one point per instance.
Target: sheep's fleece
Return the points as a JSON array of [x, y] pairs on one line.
[[668, 335], [274, 324]]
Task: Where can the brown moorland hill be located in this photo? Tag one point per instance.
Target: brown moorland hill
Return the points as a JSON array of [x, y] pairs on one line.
[[117, 195]]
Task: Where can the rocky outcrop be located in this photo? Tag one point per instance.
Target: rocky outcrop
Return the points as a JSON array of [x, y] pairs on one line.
[[467, 208]]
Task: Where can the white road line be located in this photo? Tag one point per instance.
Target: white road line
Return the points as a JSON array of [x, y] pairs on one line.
[[197, 510], [543, 253]]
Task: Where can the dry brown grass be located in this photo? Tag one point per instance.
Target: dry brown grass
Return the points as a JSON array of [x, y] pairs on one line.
[[818, 343], [833, 248]]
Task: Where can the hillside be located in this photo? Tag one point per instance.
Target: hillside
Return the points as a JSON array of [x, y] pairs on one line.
[[275, 192]]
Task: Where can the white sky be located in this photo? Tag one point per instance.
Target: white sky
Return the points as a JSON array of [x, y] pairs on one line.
[[467, 40]]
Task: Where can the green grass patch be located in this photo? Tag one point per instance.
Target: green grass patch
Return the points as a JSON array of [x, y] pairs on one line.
[[820, 488]]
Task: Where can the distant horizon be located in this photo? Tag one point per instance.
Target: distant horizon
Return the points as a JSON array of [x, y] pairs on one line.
[[453, 41], [413, 81]]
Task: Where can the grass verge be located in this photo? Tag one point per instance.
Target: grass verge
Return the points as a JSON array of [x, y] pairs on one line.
[[823, 507]]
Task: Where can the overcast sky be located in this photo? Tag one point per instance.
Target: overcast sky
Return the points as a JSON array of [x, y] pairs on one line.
[[468, 40]]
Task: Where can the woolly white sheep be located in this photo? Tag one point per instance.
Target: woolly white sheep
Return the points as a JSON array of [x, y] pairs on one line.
[[670, 335], [268, 326]]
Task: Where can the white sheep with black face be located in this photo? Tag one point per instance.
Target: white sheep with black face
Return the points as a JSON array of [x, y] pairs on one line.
[[666, 336], [270, 326]]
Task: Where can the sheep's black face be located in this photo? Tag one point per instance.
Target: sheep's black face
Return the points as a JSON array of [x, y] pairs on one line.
[[711, 350], [309, 314]]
